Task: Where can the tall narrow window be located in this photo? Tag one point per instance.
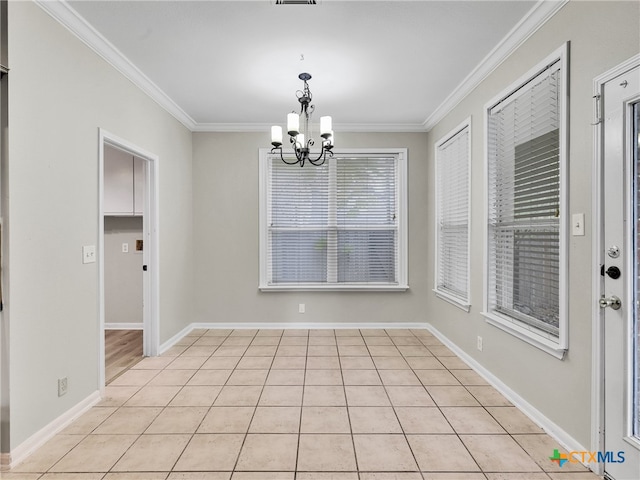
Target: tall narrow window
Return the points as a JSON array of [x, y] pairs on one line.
[[526, 208], [341, 225], [452, 216]]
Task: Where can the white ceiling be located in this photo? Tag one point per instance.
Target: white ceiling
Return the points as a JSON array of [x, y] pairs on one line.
[[373, 63]]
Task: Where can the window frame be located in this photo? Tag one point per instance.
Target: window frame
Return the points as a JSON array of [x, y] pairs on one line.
[[462, 302], [402, 217], [546, 342]]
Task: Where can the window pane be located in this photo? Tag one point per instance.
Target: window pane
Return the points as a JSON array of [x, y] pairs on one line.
[[524, 204], [299, 196], [452, 259], [367, 256], [299, 257], [366, 191], [452, 201], [333, 224]]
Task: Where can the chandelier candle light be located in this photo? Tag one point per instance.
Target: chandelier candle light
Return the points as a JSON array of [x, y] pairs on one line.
[[300, 138]]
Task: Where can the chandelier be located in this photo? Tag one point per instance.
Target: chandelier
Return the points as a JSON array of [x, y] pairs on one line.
[[300, 135]]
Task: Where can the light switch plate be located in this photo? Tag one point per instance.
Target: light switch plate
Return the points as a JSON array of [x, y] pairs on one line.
[[577, 224], [89, 254]]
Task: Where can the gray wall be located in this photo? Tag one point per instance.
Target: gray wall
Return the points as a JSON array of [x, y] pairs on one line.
[[225, 193], [60, 93], [122, 271], [602, 35]]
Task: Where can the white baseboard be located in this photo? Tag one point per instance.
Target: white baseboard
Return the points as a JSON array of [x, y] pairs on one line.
[[537, 417], [45, 434], [124, 326], [177, 337], [310, 325]]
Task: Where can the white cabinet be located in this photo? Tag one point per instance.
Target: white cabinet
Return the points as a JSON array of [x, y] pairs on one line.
[[124, 182]]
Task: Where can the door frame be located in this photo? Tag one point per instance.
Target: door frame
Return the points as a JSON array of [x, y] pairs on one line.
[[597, 361], [151, 279]]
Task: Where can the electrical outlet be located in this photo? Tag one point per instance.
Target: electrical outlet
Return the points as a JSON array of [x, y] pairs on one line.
[[125, 248], [63, 386], [479, 343], [301, 308]]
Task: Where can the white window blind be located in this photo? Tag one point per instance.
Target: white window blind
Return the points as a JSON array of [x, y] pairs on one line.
[[337, 224], [525, 253], [366, 227], [452, 216]]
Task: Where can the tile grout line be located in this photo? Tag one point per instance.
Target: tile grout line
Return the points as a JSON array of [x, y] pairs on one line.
[[255, 408], [304, 381], [484, 408], [442, 413], [394, 407], [203, 334], [205, 415], [346, 402]]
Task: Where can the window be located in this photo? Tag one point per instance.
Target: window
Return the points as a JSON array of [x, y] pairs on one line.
[[526, 209], [452, 216], [338, 226]]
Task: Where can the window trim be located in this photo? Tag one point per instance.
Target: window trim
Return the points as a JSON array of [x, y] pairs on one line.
[[463, 303], [403, 233], [521, 330]]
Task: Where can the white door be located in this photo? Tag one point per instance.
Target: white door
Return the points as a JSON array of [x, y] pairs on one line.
[[620, 296]]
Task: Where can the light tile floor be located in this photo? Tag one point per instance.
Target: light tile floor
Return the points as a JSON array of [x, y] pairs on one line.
[[301, 405]]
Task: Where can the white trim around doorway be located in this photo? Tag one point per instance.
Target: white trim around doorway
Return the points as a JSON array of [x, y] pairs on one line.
[[151, 289]]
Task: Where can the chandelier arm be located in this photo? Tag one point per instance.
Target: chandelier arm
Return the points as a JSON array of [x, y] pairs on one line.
[[279, 150], [321, 158]]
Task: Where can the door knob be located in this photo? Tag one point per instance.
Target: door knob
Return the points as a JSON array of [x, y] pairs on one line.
[[613, 302]]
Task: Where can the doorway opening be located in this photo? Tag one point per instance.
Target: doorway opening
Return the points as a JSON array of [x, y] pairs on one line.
[[128, 255]]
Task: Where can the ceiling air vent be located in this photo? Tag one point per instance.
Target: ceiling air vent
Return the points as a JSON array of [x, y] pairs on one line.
[[295, 2]]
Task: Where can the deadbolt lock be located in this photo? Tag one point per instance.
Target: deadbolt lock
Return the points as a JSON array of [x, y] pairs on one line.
[[613, 272]]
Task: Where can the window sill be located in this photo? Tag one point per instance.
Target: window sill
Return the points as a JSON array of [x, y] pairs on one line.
[[527, 335], [333, 288], [453, 300]]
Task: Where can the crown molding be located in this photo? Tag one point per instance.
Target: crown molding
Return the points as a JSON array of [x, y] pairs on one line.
[[61, 11], [233, 127], [341, 127], [527, 26]]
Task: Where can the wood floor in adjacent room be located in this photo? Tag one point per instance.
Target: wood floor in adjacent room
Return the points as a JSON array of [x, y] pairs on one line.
[[123, 349], [301, 405]]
